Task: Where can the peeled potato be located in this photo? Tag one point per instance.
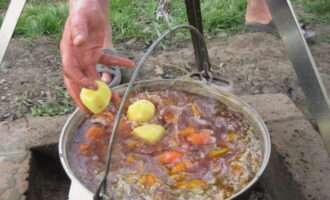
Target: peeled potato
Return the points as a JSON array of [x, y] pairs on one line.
[[141, 111], [96, 100], [150, 133]]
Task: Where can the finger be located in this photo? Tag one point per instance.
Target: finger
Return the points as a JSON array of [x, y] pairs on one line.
[[115, 98], [72, 71], [111, 60], [106, 77], [92, 73], [79, 31], [74, 91]]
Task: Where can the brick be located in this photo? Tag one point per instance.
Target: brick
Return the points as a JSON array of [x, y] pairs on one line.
[[305, 155], [14, 168], [273, 107], [20, 135]]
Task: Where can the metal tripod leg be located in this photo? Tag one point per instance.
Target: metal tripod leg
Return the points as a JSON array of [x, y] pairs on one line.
[[203, 64], [195, 19], [304, 65]]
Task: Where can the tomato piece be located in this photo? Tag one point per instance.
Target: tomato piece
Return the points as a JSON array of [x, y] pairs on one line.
[[169, 156], [94, 133], [198, 138]]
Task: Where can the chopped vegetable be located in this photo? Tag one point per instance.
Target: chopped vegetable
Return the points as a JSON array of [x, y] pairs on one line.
[[84, 148], [217, 152], [150, 133], [148, 179], [141, 111], [187, 131], [190, 184], [198, 138], [179, 176], [178, 168], [168, 102], [169, 156], [132, 144], [105, 115], [231, 136], [130, 158], [169, 117], [197, 112], [94, 133], [96, 100]]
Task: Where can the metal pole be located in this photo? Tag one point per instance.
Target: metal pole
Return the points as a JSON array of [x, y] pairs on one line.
[[304, 65], [9, 23], [195, 19]]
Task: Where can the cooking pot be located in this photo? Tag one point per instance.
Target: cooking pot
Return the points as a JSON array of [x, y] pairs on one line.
[[79, 191]]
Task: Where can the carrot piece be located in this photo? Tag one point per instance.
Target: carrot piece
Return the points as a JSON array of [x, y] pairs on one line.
[[179, 176], [169, 156], [148, 179], [196, 183], [178, 168], [130, 158], [169, 117], [94, 133], [151, 180], [187, 131], [190, 184], [236, 168], [168, 102], [84, 148], [198, 138], [197, 112], [132, 144], [217, 152]]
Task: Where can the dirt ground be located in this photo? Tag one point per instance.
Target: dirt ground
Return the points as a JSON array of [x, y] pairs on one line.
[[256, 62]]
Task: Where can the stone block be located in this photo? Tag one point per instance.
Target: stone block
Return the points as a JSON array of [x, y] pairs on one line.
[[20, 135], [273, 107], [305, 156], [14, 169]]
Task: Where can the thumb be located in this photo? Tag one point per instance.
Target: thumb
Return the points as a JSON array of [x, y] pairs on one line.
[[79, 32]]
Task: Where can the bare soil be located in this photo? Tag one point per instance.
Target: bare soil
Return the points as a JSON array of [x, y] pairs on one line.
[[256, 62]]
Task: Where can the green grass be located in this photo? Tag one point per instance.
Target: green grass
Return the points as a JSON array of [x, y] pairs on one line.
[[316, 11], [41, 20], [130, 18], [61, 104], [137, 18]]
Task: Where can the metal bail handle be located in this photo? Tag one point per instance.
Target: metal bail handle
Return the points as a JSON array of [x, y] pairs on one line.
[[100, 195]]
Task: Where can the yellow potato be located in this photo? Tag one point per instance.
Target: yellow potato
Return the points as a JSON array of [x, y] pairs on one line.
[[96, 100], [150, 133], [141, 111]]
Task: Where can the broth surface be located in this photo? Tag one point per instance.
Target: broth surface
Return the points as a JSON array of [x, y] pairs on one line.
[[208, 151]]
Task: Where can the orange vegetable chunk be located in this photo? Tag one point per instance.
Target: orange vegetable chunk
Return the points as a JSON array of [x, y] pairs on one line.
[[178, 168], [190, 184], [197, 112], [217, 152], [198, 138], [94, 133], [169, 156]]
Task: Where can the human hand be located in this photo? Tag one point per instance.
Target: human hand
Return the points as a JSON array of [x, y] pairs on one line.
[[82, 47]]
